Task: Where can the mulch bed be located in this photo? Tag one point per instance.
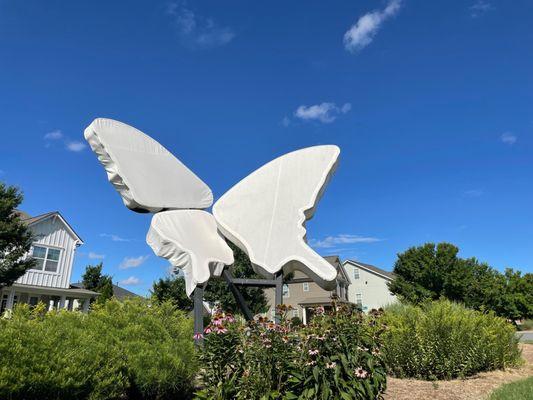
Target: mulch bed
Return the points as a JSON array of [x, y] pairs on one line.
[[474, 388]]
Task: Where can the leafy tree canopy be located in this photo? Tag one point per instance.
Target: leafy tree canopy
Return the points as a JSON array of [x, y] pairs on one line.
[[430, 271], [15, 237], [94, 280]]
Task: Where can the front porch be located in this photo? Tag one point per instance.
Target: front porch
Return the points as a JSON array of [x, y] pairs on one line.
[[54, 298]]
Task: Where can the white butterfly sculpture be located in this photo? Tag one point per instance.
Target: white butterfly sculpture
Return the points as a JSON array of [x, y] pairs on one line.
[[264, 214]]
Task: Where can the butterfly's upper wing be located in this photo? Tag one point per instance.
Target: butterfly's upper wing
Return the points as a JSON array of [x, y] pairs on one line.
[[147, 176], [189, 239], [265, 213]]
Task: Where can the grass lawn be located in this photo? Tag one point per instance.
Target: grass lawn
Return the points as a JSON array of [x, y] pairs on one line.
[[519, 390]]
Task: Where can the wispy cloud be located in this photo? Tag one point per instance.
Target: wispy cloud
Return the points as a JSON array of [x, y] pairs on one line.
[[473, 193], [479, 8], [54, 135], [286, 121], [132, 262], [95, 256], [75, 146], [114, 238], [131, 281], [324, 112], [195, 30], [340, 240], [363, 31], [508, 138]]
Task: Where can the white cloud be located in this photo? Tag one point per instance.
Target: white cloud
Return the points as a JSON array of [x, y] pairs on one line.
[[113, 237], [480, 7], [286, 121], [132, 280], [132, 262], [75, 146], [363, 31], [341, 239], [197, 31], [54, 135], [96, 256], [508, 138], [324, 112]]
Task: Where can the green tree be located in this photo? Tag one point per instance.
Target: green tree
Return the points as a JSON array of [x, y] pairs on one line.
[[172, 289], [94, 280], [15, 238], [217, 291]]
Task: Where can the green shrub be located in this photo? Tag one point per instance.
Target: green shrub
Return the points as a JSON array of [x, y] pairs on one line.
[[121, 350], [526, 325], [336, 356], [445, 340]]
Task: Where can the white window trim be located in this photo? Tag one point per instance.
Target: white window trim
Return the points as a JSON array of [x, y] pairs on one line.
[[355, 269], [47, 247], [305, 286], [288, 294]]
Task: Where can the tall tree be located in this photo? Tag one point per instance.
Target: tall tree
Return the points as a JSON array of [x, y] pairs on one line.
[[172, 289], [94, 280], [15, 238]]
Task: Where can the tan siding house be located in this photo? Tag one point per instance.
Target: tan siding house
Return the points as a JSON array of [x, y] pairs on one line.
[[303, 294]]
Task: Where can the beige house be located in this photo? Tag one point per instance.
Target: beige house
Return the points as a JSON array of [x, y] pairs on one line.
[[54, 247], [369, 285], [303, 294]]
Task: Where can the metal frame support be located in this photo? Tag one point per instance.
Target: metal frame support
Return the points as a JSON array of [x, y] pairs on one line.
[[238, 295], [198, 311], [278, 295]]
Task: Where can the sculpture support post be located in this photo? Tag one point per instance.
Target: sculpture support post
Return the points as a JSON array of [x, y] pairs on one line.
[[278, 295], [198, 315], [238, 295]]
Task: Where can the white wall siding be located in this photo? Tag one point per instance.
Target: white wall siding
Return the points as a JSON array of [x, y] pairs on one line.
[[52, 232], [372, 287]]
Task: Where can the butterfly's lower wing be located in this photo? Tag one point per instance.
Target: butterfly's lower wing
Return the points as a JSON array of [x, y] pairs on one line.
[[265, 213], [146, 175], [189, 239]]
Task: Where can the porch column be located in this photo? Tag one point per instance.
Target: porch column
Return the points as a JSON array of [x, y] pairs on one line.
[[304, 315], [86, 303], [62, 301], [10, 299]]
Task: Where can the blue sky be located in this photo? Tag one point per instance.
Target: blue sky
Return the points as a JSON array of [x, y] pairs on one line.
[[430, 103]]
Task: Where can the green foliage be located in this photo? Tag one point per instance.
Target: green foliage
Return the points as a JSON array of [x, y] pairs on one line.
[[121, 350], [173, 290], [526, 325], [519, 390], [430, 271], [445, 340], [336, 356], [15, 237], [94, 280], [217, 289]]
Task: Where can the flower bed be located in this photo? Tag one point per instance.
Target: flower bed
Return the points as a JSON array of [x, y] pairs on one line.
[[336, 356]]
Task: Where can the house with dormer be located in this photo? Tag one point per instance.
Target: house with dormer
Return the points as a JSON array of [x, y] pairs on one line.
[[54, 247]]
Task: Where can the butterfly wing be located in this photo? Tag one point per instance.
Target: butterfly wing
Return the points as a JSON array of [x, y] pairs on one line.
[[190, 241], [265, 213], [147, 176]]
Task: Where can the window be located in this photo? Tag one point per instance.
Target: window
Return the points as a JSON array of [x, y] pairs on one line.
[[306, 286], [286, 292], [33, 301], [356, 273], [295, 313], [359, 299], [47, 258]]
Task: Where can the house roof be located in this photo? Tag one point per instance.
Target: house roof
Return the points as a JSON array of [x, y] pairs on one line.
[[336, 262], [372, 268], [29, 220], [72, 291], [119, 292]]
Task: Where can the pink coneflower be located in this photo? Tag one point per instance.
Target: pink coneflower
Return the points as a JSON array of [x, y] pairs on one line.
[[361, 373], [319, 310], [313, 352], [376, 352], [221, 329], [217, 321], [197, 336], [331, 365], [310, 363], [208, 330]]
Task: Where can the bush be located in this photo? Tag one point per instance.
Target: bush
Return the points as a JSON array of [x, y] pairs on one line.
[[336, 356], [526, 325], [444, 340], [121, 350]]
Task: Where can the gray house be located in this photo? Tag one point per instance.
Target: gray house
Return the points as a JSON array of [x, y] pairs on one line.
[[54, 248], [303, 294]]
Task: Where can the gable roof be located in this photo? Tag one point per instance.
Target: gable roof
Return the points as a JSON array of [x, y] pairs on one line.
[[336, 262], [372, 268], [29, 220], [119, 292]]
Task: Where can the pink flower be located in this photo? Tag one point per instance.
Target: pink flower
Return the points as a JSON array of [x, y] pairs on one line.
[[208, 330], [198, 336], [313, 352], [361, 373], [217, 321], [310, 363], [319, 310], [221, 329], [331, 365]]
